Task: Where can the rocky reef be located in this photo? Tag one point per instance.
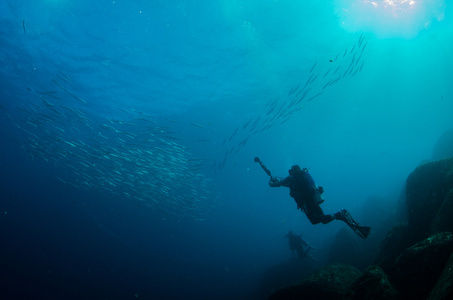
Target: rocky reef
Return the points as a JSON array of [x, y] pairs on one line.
[[414, 259]]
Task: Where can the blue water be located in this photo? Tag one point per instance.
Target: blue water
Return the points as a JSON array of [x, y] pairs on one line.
[[129, 129]]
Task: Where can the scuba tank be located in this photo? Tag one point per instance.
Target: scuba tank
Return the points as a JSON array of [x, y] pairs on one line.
[[304, 179]]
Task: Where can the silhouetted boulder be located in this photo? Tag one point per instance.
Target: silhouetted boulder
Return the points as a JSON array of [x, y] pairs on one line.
[[372, 285], [398, 239], [329, 283], [419, 267], [443, 220], [444, 287], [426, 189]]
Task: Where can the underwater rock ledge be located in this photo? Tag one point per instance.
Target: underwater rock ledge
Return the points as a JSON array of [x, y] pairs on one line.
[[330, 282]]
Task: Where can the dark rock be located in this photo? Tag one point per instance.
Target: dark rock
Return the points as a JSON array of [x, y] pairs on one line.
[[419, 266], [426, 189], [398, 239], [400, 213], [372, 285], [443, 220], [330, 283], [444, 287], [381, 215]]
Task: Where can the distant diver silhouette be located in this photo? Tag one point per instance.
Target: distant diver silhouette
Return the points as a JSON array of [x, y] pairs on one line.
[[297, 244]]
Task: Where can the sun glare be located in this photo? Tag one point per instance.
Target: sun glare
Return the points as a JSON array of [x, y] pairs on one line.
[[394, 7], [390, 18]]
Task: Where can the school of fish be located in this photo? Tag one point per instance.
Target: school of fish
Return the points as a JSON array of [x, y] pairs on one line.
[[134, 157], [278, 111], [138, 156]]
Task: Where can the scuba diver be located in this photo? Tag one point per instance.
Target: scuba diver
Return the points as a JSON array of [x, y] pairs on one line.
[[308, 198], [297, 243]]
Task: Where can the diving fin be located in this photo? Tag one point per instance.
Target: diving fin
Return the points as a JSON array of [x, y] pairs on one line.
[[345, 216], [362, 231]]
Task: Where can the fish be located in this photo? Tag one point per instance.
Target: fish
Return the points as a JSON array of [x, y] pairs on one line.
[[336, 70], [196, 125], [309, 79], [358, 59], [48, 94], [246, 124], [315, 96], [108, 127], [46, 102], [336, 57], [314, 79], [70, 144], [312, 68], [64, 78], [360, 39], [327, 84], [302, 97], [270, 110], [364, 46]]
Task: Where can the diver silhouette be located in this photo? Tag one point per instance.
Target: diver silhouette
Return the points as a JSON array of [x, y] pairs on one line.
[[308, 197], [297, 244]]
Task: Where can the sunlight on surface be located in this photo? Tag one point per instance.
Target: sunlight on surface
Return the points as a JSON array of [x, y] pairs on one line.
[[397, 7], [390, 18]]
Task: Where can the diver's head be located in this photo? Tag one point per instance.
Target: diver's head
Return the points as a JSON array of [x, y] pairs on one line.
[[294, 170]]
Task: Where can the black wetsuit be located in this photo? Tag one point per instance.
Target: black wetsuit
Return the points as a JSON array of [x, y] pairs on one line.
[[307, 195]]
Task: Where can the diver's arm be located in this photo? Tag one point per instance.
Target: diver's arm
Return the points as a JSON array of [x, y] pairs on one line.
[[274, 182]]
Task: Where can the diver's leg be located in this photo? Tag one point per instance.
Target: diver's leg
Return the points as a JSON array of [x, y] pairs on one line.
[[301, 252], [316, 215]]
